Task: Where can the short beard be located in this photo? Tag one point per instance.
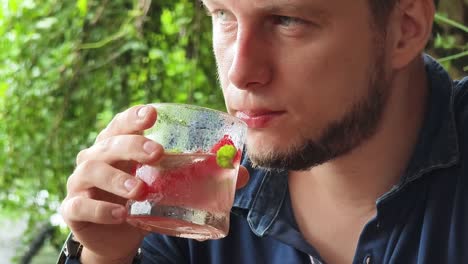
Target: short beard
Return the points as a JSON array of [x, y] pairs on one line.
[[339, 137]]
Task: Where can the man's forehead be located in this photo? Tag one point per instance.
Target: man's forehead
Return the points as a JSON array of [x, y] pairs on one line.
[[267, 3]]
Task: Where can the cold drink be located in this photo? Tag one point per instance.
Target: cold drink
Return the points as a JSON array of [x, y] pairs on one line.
[[188, 195], [190, 191]]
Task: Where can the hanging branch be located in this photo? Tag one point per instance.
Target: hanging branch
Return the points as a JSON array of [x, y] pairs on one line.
[[143, 7], [442, 19], [46, 232], [195, 52]]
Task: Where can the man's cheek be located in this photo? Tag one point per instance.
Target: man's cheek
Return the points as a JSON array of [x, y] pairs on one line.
[[224, 54], [223, 73], [228, 95]]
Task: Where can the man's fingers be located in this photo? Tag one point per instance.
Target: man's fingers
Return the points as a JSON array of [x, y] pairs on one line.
[[122, 148], [132, 121], [96, 174], [83, 209], [242, 177]]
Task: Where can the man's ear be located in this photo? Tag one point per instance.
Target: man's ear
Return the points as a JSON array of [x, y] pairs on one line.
[[410, 29]]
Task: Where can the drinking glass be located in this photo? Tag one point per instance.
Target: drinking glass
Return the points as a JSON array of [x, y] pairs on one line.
[[190, 190]]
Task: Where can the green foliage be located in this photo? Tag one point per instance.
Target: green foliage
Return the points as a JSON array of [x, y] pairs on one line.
[[450, 44], [67, 67]]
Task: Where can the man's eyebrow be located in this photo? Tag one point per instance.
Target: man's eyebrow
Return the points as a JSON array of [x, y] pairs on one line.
[[205, 2], [200, 3], [204, 7], [295, 8], [281, 7]]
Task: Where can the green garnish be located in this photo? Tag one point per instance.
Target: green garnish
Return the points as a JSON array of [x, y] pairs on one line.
[[225, 155]]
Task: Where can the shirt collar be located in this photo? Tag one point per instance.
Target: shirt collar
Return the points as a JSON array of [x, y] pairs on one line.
[[262, 198], [437, 147]]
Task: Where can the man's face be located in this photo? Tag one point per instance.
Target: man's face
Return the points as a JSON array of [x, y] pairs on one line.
[[306, 76]]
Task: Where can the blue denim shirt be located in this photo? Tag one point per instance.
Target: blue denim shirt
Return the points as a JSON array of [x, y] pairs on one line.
[[423, 219]]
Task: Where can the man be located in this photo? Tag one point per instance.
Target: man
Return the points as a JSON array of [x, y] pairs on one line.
[[355, 147]]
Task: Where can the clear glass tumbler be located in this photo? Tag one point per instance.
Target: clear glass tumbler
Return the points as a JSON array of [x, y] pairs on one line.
[[190, 191]]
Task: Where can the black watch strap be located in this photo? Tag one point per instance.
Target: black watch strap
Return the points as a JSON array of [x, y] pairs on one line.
[[71, 250], [137, 259]]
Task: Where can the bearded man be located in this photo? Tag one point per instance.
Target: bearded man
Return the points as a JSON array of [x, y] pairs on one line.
[[356, 146]]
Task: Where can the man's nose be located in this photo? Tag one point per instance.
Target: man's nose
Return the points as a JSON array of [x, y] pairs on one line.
[[251, 66]]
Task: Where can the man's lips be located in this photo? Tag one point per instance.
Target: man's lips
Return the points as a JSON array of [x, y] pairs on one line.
[[258, 118]]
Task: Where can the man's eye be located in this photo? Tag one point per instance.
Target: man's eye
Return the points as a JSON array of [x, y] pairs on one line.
[[222, 16], [286, 21]]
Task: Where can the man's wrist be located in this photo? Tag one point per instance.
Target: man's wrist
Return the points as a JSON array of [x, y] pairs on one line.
[[88, 257], [74, 252]]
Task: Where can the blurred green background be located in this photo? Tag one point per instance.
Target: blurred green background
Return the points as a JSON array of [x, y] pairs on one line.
[[67, 67]]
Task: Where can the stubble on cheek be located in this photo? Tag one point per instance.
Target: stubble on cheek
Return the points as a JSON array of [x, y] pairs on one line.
[[357, 124]]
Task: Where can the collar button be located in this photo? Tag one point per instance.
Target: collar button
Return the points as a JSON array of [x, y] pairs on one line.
[[367, 260]]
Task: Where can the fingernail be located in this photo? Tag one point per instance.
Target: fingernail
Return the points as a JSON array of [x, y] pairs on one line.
[[118, 213], [142, 112], [150, 147], [130, 184]]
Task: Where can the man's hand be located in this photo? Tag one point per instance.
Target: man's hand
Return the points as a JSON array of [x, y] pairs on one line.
[[102, 182], [98, 189]]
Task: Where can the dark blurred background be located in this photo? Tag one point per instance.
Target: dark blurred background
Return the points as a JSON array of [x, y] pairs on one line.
[[67, 67]]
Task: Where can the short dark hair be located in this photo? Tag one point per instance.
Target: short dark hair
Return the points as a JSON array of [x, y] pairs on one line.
[[381, 10]]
